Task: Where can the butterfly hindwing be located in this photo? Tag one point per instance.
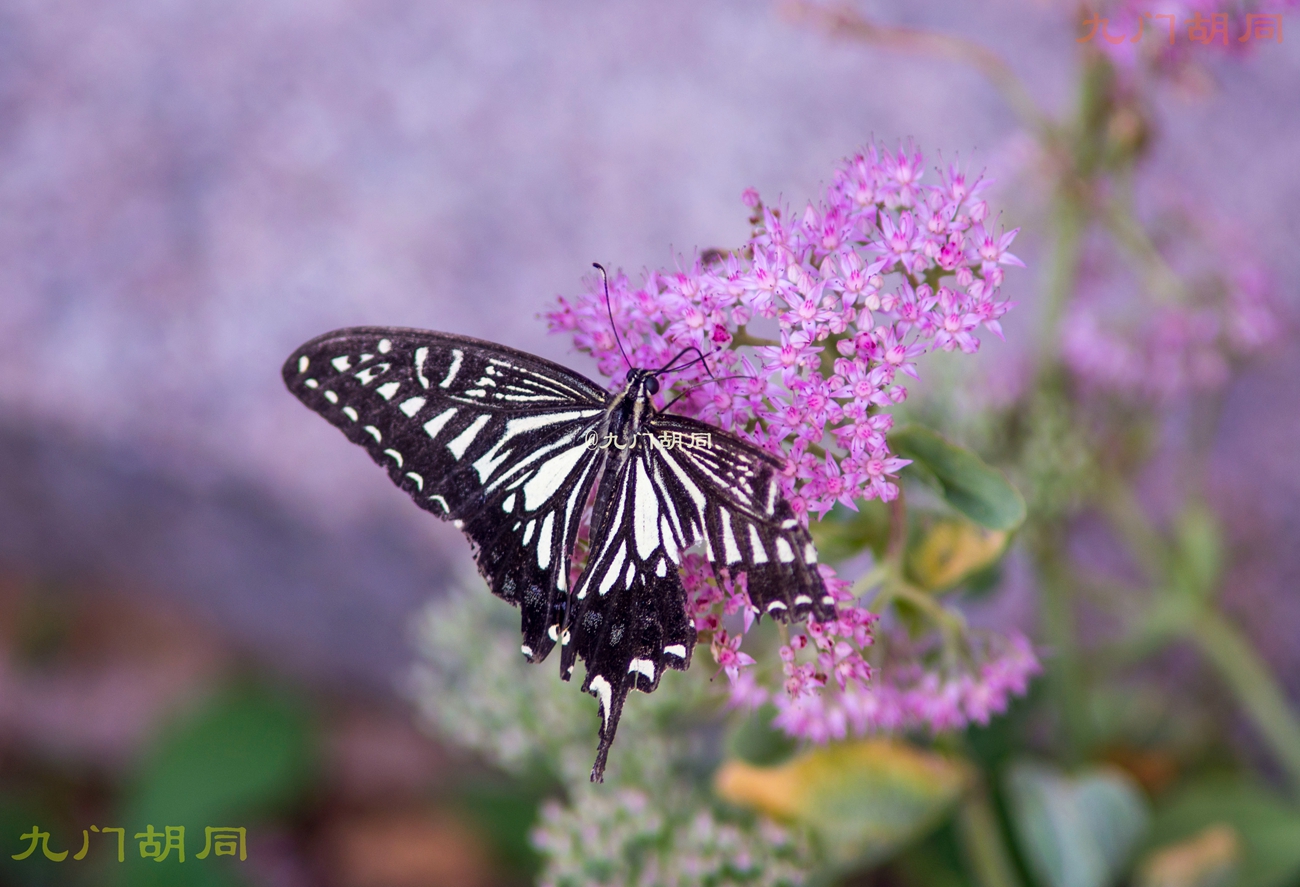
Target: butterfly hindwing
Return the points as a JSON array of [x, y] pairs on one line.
[[440, 414], [628, 620], [728, 493]]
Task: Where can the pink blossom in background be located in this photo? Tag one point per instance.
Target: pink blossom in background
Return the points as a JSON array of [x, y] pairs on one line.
[[1121, 337], [807, 336], [909, 696]]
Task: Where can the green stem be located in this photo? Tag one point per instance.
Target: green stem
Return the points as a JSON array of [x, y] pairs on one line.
[[1254, 686], [1121, 507], [1070, 220], [1160, 279], [982, 844], [847, 22], [742, 337], [1065, 668]]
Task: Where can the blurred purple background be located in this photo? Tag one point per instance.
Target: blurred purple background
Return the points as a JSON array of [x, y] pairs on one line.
[[190, 190]]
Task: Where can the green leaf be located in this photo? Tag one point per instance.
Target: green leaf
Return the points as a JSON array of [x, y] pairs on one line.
[[864, 800], [1075, 831], [246, 753], [975, 489], [1268, 826], [248, 750]]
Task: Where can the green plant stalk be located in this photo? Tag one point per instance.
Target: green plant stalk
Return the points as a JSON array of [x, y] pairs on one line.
[[982, 844], [1065, 668], [844, 21], [1254, 686], [1070, 219]]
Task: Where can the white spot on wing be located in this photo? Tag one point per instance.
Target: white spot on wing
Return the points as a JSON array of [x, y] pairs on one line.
[[486, 464], [532, 423], [342, 364], [691, 489], [670, 542], [374, 432], [411, 405], [544, 541], [801, 600], [366, 376], [601, 688], [645, 514], [350, 413], [642, 666], [528, 531], [397, 457], [784, 553], [419, 481], [461, 443], [303, 363], [550, 476], [678, 650], [730, 549], [331, 397], [508, 505], [526, 650], [311, 383], [776, 605], [421, 355], [441, 501], [756, 544], [434, 425], [553, 632], [385, 346], [661, 568], [611, 575], [810, 553], [388, 389], [456, 357]]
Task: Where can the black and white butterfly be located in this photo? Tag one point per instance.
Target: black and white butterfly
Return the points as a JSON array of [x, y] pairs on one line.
[[509, 446]]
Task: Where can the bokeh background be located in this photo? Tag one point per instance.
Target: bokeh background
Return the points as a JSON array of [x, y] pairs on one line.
[[190, 190]]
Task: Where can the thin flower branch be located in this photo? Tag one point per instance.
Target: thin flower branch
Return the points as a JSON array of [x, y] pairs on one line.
[[843, 21]]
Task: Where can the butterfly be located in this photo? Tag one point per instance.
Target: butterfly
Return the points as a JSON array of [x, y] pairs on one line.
[[509, 447]]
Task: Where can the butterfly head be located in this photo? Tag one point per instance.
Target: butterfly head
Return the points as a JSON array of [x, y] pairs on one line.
[[642, 383]]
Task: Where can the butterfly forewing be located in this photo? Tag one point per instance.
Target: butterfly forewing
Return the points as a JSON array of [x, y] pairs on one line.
[[490, 438]]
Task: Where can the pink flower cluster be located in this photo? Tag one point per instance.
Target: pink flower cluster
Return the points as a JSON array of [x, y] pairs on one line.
[[910, 697], [838, 302], [833, 306]]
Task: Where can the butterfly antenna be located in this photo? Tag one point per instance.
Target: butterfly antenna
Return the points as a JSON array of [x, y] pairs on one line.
[[610, 308], [700, 385], [669, 368]]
